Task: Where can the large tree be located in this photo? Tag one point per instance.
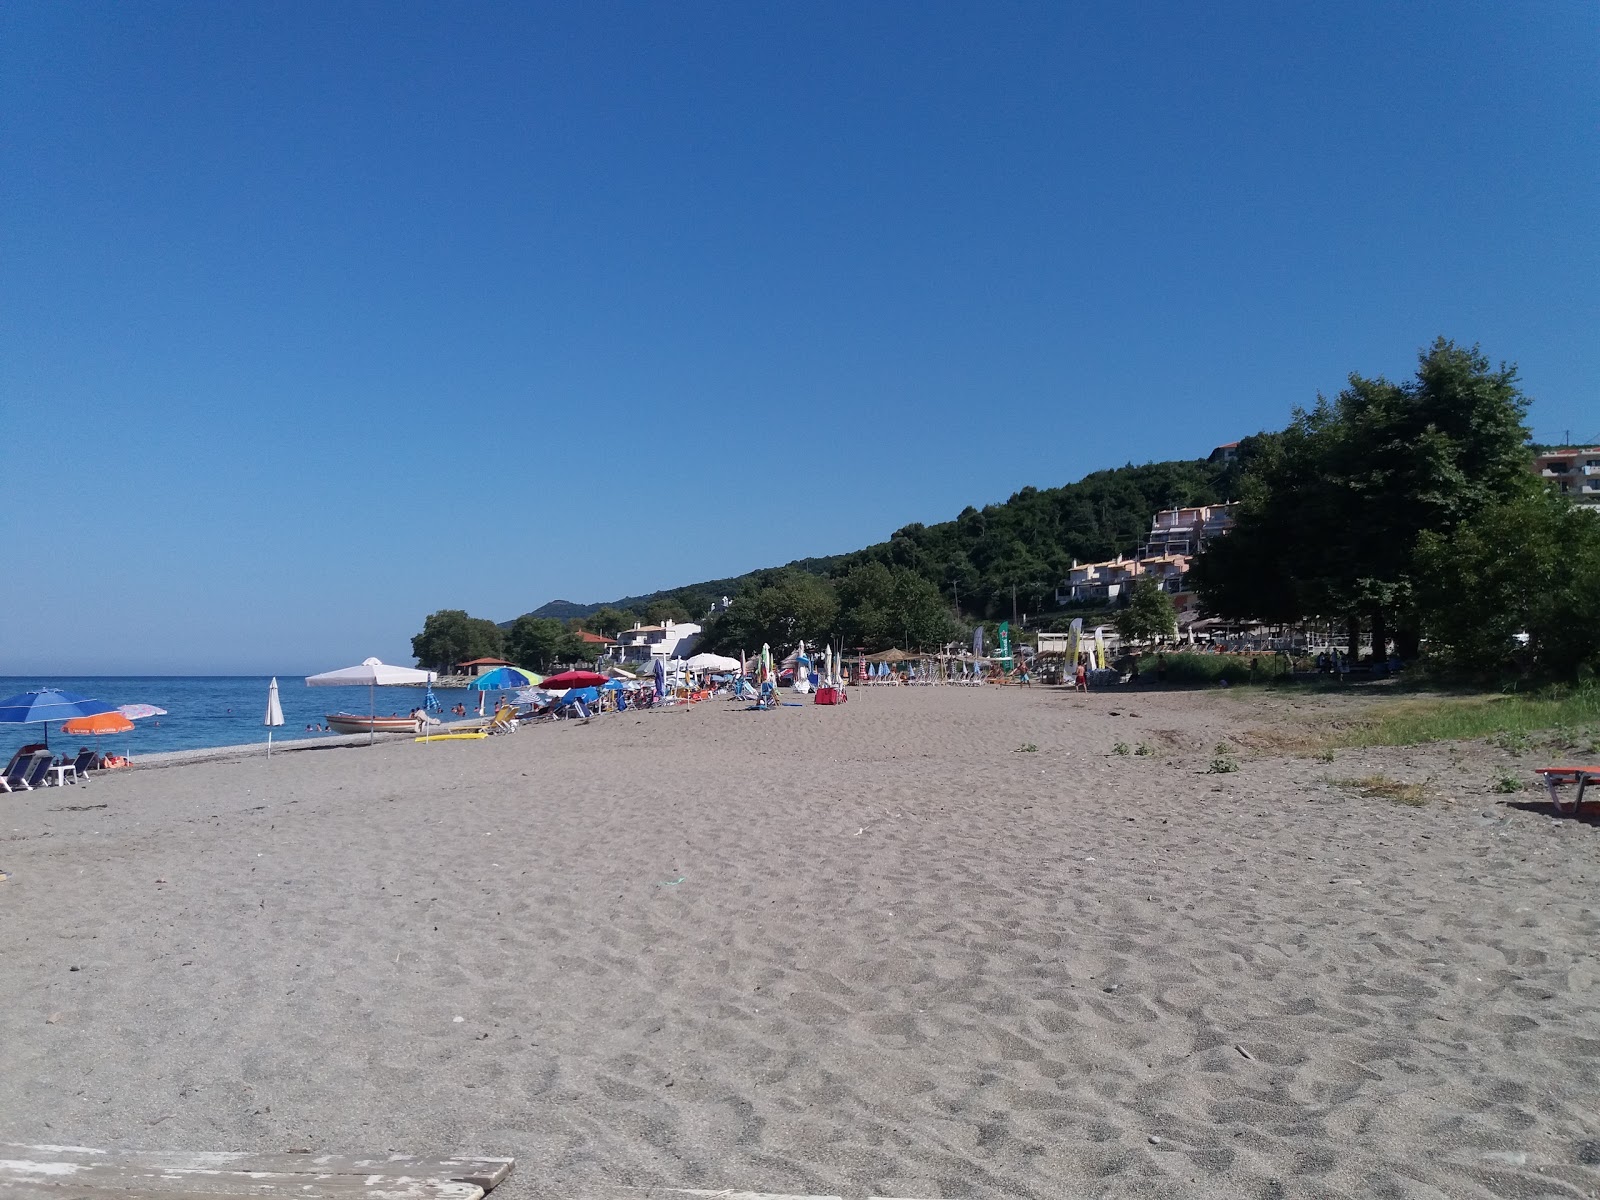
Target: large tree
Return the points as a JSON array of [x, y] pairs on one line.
[[780, 608], [1149, 614], [536, 642], [883, 606], [1333, 508], [1515, 589], [450, 636]]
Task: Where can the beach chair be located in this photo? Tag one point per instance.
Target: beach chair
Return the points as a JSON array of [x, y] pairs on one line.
[[84, 763], [28, 773], [503, 721], [1557, 778]]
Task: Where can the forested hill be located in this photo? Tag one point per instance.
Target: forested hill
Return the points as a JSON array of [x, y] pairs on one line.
[[1027, 543]]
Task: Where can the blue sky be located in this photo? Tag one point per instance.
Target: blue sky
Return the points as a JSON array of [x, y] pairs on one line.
[[315, 318]]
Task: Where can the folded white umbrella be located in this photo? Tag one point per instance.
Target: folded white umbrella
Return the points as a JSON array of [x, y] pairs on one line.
[[274, 713]]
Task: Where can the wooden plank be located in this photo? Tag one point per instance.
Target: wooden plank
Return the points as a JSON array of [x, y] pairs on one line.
[[112, 1178], [481, 1172]]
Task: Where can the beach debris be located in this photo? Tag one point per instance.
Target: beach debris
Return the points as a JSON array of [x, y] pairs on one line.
[[74, 968], [673, 882], [457, 1020], [1243, 1053], [859, 832], [1154, 1140], [1512, 1158], [53, 1019]]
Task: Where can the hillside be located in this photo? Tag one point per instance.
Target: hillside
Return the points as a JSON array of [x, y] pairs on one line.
[[1025, 543]]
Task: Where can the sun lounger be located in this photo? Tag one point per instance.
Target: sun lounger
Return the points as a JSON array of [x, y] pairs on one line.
[[1557, 778], [84, 763], [28, 773]]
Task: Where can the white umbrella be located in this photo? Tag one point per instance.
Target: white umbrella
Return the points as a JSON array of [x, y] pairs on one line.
[[713, 662], [373, 674], [274, 712]]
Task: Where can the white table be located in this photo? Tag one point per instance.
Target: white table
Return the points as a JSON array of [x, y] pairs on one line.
[[60, 771]]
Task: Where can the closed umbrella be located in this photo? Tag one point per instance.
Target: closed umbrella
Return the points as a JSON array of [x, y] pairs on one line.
[[274, 712], [661, 678], [372, 674]]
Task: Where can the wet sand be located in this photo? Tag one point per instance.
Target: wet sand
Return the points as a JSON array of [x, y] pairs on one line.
[[872, 950]]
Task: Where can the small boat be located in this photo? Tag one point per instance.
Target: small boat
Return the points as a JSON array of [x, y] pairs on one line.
[[354, 723]]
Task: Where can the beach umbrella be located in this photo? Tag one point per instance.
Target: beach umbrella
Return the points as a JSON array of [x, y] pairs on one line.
[[574, 679], [111, 722], [371, 674], [135, 712], [616, 685], [712, 662], [106, 722], [274, 712], [46, 705], [505, 679], [661, 678]]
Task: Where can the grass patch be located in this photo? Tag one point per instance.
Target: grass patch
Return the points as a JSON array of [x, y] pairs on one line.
[[1505, 782], [1119, 748], [1026, 748], [1508, 720], [1381, 787]]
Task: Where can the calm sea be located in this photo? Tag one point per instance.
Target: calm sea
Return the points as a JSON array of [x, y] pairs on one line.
[[207, 710]]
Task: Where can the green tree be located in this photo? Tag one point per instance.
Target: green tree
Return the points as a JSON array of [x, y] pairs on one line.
[[780, 608], [1149, 614], [882, 606], [1334, 507], [659, 612], [450, 636], [608, 621], [536, 643], [1529, 565]]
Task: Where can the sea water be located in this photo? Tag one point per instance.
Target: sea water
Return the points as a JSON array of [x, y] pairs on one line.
[[210, 710]]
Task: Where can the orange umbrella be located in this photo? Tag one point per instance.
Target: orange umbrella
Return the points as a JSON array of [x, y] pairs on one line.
[[111, 722]]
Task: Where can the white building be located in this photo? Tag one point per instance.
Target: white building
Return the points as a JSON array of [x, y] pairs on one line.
[[674, 639]]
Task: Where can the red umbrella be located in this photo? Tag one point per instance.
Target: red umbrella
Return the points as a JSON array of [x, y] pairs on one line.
[[573, 679]]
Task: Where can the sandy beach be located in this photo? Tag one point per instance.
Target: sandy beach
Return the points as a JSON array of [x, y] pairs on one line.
[[877, 950]]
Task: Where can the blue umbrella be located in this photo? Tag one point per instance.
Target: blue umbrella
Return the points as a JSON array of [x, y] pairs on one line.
[[49, 704], [661, 679], [587, 695], [614, 685]]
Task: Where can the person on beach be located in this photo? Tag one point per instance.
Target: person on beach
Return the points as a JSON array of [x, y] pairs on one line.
[[1080, 682]]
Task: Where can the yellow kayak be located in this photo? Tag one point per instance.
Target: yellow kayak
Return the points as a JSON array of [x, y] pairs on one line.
[[451, 737]]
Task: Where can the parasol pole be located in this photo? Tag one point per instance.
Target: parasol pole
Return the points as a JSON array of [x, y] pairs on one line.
[[372, 704]]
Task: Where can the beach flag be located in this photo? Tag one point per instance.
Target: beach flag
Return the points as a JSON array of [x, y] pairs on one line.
[[274, 712], [977, 642], [1100, 650]]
